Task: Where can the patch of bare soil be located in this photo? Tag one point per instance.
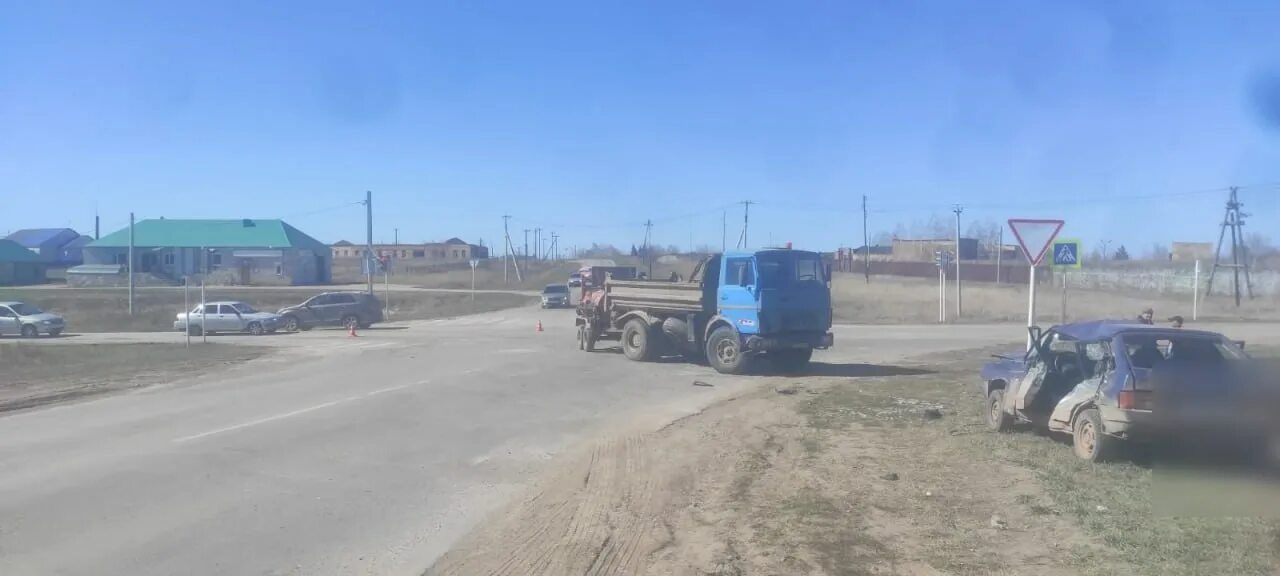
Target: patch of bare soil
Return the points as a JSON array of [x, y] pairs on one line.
[[33, 375], [887, 474]]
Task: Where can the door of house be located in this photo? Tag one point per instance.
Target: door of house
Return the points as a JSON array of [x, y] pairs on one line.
[[245, 268], [148, 261]]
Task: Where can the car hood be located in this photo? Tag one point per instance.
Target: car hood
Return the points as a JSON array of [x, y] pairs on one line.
[[1005, 366], [260, 316], [41, 317]]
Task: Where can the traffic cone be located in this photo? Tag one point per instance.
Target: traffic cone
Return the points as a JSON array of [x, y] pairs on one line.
[[539, 325], [351, 331]]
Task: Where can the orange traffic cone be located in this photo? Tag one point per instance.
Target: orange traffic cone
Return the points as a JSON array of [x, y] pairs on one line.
[[539, 325], [351, 330]]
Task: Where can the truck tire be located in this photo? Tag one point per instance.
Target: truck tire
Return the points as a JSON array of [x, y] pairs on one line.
[[637, 340], [724, 351], [792, 361]]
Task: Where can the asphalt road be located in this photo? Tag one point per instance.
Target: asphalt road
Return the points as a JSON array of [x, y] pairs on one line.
[[341, 455]]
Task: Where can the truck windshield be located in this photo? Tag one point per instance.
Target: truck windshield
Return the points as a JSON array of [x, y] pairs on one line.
[[780, 269]]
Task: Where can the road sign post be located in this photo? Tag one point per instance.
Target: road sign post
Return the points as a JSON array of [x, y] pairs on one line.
[[1035, 237], [474, 263], [1066, 254]]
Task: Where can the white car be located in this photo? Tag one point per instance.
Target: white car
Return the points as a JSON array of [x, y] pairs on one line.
[[228, 317], [28, 321], [555, 296]]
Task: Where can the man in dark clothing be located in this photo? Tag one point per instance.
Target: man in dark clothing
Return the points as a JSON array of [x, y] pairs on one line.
[[1176, 321], [1146, 317]]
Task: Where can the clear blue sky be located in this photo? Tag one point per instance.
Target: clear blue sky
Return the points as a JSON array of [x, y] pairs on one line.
[[589, 117]]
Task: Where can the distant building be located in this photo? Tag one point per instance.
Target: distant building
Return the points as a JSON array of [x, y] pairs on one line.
[[19, 265], [1190, 251], [236, 252], [451, 250], [53, 246], [925, 249]]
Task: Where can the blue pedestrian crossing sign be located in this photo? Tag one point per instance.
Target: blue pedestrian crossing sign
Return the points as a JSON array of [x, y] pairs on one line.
[[1066, 253]]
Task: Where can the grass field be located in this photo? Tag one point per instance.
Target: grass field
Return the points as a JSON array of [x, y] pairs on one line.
[[893, 299], [34, 374], [107, 309]]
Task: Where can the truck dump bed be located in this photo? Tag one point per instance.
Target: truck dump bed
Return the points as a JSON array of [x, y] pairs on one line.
[[654, 295]]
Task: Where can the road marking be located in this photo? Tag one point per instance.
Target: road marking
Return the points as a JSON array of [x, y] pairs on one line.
[[291, 414]]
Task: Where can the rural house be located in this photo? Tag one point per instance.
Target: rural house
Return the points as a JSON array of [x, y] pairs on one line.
[[451, 250], [234, 252], [18, 265], [53, 246]]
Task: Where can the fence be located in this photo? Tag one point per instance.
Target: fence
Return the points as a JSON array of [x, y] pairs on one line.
[[1171, 281], [975, 271]]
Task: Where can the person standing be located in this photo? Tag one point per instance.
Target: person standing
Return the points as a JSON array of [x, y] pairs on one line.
[[1146, 317]]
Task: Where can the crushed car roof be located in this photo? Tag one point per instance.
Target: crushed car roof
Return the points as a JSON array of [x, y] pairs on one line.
[[1106, 329]]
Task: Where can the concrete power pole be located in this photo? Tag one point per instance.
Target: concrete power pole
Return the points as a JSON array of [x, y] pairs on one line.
[[131, 265], [746, 211], [866, 244], [526, 247], [958, 210], [510, 253], [648, 253], [724, 221], [368, 240]]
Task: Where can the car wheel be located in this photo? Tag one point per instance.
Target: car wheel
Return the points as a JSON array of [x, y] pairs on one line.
[[636, 341], [997, 419], [255, 328], [1089, 439], [791, 361], [29, 331], [291, 324], [350, 322], [724, 351]]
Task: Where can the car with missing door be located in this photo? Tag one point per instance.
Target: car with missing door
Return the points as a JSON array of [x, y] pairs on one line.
[[346, 309], [1108, 382], [213, 317], [22, 319]]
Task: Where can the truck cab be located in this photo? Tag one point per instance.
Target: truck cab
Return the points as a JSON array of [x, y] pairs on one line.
[[773, 302]]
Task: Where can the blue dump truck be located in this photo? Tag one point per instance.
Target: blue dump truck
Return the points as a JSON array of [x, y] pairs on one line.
[[735, 307]]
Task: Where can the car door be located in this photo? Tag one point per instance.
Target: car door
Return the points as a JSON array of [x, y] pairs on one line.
[[737, 298], [8, 321], [343, 306], [225, 319], [322, 309]]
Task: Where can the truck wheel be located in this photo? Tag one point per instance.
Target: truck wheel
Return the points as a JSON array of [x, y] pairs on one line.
[[724, 351], [1089, 439], [791, 361], [997, 419], [637, 343]]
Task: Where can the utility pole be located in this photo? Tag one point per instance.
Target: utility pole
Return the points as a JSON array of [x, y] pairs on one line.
[[746, 210], [537, 242], [724, 230], [958, 209], [1234, 219], [1106, 245], [131, 264], [368, 244], [397, 236], [648, 255], [96, 226], [866, 244], [526, 247], [999, 252], [510, 252]]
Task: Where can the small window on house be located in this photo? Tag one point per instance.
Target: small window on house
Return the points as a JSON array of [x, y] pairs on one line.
[[279, 270], [419, 253], [120, 259], [215, 259], [168, 259]]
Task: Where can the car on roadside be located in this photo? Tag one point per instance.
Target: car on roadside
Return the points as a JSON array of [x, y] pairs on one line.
[[345, 309], [22, 319], [1098, 381], [229, 316], [555, 296], [575, 280]]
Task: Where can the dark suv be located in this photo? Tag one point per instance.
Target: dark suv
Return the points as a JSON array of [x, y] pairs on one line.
[[344, 309]]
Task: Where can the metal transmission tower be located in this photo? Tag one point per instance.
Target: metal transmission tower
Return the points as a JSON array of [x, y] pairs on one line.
[[1234, 219]]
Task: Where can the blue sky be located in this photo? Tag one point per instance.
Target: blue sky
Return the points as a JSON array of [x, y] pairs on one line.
[[587, 118]]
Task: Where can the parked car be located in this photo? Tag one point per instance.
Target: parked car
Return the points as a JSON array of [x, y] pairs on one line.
[[555, 296], [344, 309], [575, 279], [1096, 381], [20, 318], [227, 317]]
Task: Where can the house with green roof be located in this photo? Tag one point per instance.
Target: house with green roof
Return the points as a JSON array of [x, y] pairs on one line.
[[19, 265], [234, 252]]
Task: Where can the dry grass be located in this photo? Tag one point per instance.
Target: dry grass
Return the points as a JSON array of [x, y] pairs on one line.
[[107, 309], [39, 374], [892, 299]]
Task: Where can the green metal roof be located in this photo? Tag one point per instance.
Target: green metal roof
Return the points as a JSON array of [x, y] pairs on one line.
[[246, 233], [11, 251]]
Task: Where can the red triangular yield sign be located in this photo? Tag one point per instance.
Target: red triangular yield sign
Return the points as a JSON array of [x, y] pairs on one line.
[[1034, 236]]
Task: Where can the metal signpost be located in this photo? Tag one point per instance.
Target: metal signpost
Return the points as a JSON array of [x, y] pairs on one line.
[[942, 258], [1035, 237], [186, 307], [474, 262], [1066, 254]]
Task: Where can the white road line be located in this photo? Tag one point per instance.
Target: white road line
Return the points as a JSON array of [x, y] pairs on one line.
[[292, 414]]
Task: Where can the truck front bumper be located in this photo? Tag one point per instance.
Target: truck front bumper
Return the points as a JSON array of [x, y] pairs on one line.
[[818, 340]]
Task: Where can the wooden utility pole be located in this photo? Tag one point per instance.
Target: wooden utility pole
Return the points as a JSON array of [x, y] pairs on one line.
[[866, 243], [958, 210]]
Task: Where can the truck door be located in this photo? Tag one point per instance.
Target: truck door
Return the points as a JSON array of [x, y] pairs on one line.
[[737, 300]]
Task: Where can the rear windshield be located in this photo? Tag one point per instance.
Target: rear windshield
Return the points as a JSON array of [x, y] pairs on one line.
[[1150, 351], [784, 268], [555, 289]]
